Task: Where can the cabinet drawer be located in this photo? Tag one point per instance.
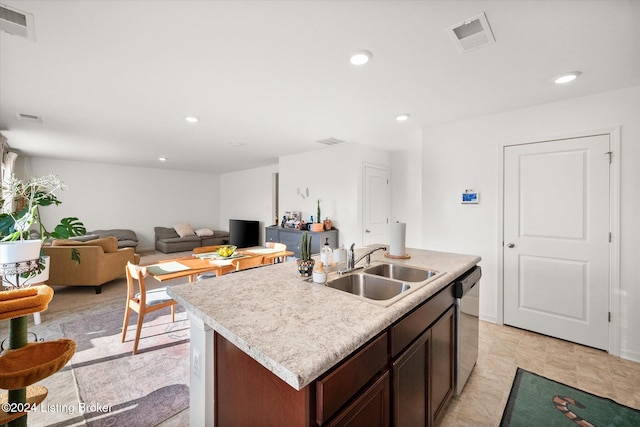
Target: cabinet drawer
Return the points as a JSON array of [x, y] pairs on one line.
[[406, 330], [336, 388], [371, 409]]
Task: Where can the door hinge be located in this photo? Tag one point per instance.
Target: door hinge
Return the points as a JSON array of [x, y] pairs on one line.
[[610, 237], [609, 317], [610, 153]]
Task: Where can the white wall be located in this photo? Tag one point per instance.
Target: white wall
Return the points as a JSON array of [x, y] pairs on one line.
[[333, 175], [109, 196], [406, 192], [247, 195], [466, 154]]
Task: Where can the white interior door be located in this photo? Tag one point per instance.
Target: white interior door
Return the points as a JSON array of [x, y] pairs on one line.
[[376, 205], [556, 239]]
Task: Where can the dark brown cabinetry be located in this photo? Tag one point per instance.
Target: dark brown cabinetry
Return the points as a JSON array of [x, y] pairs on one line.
[[371, 409], [402, 377], [441, 374], [411, 385], [422, 374], [342, 384]]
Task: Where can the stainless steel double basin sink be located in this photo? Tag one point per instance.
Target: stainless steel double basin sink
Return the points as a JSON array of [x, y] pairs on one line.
[[383, 284]]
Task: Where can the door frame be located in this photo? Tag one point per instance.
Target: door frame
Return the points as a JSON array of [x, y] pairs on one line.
[[614, 218]]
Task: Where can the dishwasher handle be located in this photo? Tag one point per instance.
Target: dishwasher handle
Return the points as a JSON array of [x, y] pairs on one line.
[[464, 283]]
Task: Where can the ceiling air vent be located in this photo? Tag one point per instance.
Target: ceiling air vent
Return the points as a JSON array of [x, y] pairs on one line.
[[472, 33], [17, 22], [330, 141], [29, 118]]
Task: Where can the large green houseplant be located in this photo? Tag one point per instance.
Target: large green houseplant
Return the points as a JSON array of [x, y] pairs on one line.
[[20, 222]]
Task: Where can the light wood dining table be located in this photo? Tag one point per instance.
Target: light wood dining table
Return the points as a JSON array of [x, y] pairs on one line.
[[192, 266]]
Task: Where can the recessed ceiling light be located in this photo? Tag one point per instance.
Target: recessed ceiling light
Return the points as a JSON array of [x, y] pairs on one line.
[[403, 117], [191, 119], [162, 159], [361, 57], [236, 144], [566, 78]]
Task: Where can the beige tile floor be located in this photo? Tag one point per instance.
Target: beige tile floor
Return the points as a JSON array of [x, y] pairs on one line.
[[501, 350]]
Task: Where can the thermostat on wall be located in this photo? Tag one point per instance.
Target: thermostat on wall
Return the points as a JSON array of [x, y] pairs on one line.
[[470, 196]]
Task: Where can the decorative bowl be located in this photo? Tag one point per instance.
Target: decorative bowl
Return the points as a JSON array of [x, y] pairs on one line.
[[226, 251]]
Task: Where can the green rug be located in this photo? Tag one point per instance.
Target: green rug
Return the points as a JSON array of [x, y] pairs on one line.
[[538, 401]]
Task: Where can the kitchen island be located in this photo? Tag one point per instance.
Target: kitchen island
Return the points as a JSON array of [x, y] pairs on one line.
[[273, 339]]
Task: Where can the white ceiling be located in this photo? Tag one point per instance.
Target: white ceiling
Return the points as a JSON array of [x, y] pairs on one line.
[[113, 80]]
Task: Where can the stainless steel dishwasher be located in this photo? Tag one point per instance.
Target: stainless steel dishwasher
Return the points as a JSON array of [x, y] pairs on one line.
[[467, 293]]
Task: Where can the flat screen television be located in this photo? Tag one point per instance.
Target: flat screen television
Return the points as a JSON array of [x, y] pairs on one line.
[[244, 234]]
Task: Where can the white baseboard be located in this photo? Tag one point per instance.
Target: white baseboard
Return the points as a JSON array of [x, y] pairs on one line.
[[634, 356], [490, 319]]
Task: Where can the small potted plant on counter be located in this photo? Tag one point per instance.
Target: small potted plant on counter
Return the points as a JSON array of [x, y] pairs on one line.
[[318, 226], [305, 262]]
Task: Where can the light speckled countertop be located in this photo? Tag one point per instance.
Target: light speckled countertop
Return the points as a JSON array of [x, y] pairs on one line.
[[299, 330]]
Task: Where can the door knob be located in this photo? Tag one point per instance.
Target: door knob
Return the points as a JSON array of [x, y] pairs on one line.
[[511, 245], [367, 231]]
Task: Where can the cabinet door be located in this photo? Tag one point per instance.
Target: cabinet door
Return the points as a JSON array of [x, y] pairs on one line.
[[442, 363], [371, 409], [341, 385], [291, 238], [411, 385], [271, 234]]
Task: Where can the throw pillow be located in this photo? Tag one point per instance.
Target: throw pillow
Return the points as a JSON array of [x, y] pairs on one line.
[[184, 229], [204, 232]]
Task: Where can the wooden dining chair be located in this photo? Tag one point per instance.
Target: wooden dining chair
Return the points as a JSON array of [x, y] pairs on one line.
[[278, 246], [143, 302], [249, 262]]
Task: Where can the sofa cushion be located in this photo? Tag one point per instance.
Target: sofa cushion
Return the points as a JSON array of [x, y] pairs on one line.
[[108, 244], [184, 229], [85, 238], [204, 232], [165, 233], [181, 239], [127, 244], [119, 233]]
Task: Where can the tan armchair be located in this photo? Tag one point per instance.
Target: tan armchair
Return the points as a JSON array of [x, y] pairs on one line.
[[100, 262]]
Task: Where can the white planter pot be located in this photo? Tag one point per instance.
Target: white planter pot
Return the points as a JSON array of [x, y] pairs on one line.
[[43, 276], [19, 251]]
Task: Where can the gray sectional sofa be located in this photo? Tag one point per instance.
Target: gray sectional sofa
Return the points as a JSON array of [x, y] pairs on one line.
[[168, 240], [126, 238]]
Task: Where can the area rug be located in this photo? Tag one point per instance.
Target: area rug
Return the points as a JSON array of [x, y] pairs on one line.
[[118, 388], [538, 401]]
